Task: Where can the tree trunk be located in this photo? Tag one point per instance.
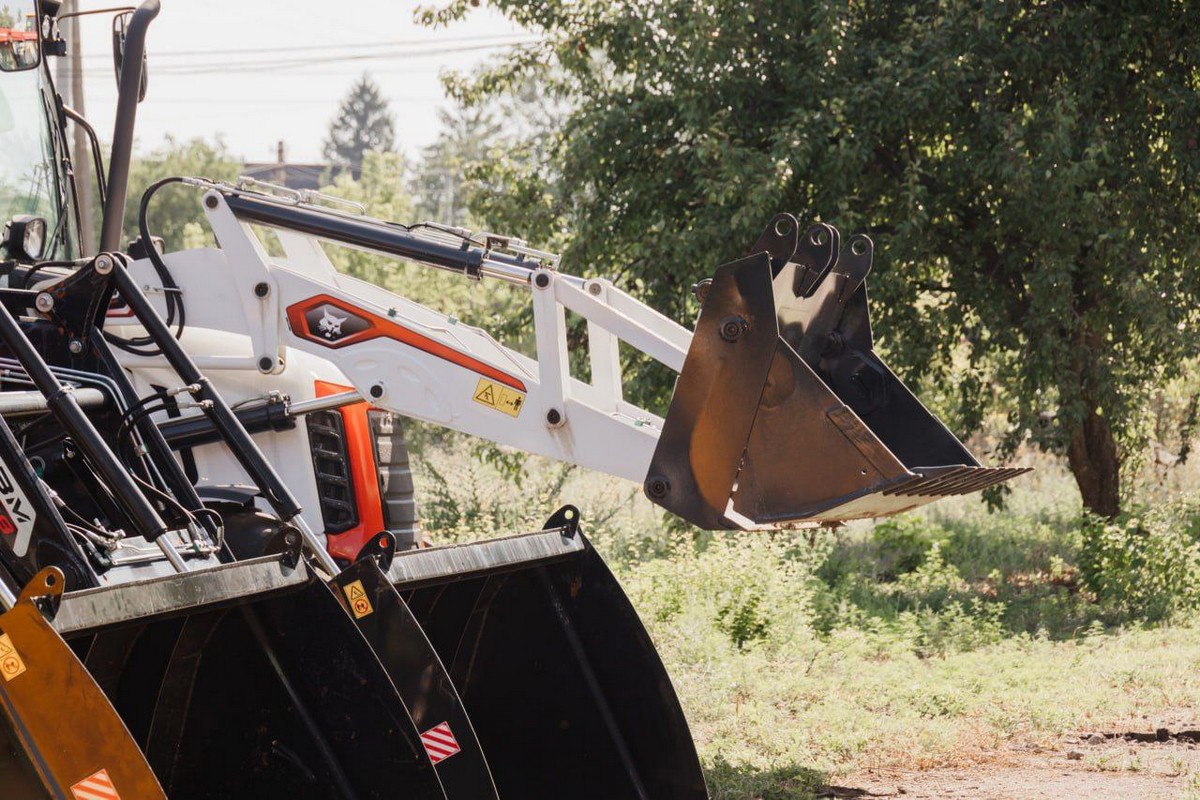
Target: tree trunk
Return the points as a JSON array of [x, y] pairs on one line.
[[1092, 456]]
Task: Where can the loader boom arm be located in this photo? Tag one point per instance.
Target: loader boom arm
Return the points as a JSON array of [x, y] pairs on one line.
[[417, 362], [782, 414]]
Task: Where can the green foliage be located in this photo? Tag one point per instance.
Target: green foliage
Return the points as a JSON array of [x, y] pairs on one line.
[[743, 592], [1026, 169], [363, 124], [464, 144], [380, 186], [901, 545], [923, 639], [459, 506], [1145, 565], [175, 211]]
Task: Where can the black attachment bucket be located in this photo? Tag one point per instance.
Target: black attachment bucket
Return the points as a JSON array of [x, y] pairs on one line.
[[60, 736], [387, 624], [783, 414], [564, 688], [249, 680]]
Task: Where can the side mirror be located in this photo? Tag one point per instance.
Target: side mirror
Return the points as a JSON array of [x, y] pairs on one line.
[[20, 39], [120, 30], [25, 237]]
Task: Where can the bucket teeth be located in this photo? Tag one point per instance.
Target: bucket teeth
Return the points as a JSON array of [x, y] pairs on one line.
[[943, 482], [783, 413]]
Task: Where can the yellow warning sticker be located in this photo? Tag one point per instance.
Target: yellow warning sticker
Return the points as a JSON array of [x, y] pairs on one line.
[[500, 397], [11, 664], [360, 606]]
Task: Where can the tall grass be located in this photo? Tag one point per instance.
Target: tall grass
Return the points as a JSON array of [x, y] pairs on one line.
[[921, 640]]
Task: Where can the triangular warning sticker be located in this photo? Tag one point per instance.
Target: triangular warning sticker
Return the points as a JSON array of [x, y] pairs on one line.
[[360, 606], [11, 664], [96, 787], [486, 396]]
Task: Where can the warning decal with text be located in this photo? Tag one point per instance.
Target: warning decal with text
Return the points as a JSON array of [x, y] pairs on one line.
[[360, 606], [500, 397], [11, 664]]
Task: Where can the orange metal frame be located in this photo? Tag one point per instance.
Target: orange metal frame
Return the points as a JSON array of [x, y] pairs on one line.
[[364, 476]]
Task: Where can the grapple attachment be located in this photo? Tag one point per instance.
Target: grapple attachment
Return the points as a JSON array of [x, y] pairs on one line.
[[783, 414]]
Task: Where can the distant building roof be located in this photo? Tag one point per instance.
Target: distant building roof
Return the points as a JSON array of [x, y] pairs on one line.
[[293, 176]]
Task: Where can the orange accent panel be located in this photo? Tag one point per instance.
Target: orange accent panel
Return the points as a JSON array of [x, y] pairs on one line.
[[363, 475], [380, 328]]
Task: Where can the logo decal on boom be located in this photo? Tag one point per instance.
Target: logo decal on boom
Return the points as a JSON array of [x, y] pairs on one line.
[[331, 326], [17, 516], [322, 321], [335, 323]]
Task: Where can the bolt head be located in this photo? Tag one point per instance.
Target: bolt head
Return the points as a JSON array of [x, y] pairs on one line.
[[266, 364], [104, 264], [262, 289], [541, 280], [376, 391], [75, 346], [733, 328], [44, 302], [595, 288], [210, 201], [554, 417], [657, 487]]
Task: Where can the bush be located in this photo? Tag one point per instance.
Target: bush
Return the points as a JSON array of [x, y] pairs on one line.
[[1145, 566], [901, 544], [747, 591]]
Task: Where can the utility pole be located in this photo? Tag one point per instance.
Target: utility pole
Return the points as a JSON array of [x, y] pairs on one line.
[[62, 67], [80, 155], [281, 163]]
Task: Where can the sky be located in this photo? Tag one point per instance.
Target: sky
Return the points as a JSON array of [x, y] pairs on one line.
[[254, 73]]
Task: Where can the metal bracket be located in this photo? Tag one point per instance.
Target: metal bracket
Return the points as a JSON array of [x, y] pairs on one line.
[[45, 591], [565, 519], [79, 302], [381, 548], [289, 544], [779, 240]]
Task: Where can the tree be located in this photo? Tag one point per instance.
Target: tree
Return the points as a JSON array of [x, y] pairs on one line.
[[364, 123], [467, 134], [175, 212], [1027, 170], [380, 187]]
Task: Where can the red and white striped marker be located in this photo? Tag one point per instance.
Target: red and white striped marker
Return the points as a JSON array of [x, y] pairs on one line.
[[96, 787], [439, 742]]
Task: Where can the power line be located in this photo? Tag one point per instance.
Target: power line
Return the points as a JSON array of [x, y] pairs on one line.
[[294, 64], [266, 101], [300, 63], [399, 43]]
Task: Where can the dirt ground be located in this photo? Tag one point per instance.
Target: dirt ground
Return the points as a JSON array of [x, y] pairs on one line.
[[1159, 764]]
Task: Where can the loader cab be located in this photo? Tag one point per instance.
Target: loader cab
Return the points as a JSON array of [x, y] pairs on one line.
[[37, 208]]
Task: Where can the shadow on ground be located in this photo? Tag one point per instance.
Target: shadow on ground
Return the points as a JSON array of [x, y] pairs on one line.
[[729, 782]]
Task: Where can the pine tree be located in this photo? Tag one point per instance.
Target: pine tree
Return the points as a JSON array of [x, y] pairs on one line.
[[442, 185], [363, 123]]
